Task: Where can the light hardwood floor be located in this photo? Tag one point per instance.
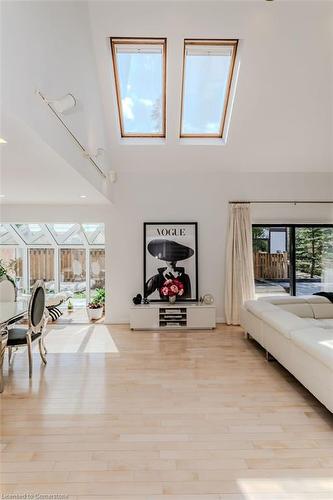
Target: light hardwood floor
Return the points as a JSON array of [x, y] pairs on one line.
[[147, 415]]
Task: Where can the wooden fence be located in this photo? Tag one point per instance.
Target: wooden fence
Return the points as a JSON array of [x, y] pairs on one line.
[[72, 263], [41, 264], [270, 265]]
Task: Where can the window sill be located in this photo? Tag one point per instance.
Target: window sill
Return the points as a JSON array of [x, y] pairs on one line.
[[142, 141], [192, 141]]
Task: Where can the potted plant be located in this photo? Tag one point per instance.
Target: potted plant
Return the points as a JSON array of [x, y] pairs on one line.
[[95, 308], [172, 288]]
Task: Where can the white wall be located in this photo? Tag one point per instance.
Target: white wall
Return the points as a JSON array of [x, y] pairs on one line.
[[47, 46], [203, 198], [198, 197]]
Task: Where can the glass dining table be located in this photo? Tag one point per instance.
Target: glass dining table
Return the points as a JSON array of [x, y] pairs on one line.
[[9, 312]]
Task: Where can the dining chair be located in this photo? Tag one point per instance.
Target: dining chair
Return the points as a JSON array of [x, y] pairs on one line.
[[37, 320], [8, 293], [7, 290], [3, 344]]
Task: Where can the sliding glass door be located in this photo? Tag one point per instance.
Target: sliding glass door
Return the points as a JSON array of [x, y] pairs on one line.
[[313, 259], [293, 259], [271, 260]]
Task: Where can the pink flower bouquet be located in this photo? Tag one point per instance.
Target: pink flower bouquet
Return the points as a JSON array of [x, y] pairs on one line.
[[172, 288]]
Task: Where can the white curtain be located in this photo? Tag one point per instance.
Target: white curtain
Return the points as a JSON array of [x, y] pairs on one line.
[[239, 282]]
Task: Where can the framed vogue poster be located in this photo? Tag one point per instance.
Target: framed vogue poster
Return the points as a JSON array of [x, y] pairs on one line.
[[170, 252]]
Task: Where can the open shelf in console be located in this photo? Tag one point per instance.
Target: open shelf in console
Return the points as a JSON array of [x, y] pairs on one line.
[[172, 317]]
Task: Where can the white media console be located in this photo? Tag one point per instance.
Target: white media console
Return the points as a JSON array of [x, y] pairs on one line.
[[166, 316]]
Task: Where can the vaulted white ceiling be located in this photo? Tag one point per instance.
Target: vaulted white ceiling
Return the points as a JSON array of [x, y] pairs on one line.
[[283, 107], [282, 119]]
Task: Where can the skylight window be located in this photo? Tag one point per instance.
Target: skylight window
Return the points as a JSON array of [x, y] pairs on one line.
[[140, 77], [207, 77]]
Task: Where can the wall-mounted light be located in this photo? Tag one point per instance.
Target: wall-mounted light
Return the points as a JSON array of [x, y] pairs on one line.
[[64, 104], [61, 106], [113, 176]]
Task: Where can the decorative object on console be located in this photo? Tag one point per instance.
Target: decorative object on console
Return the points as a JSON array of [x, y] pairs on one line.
[[207, 299], [172, 289], [137, 299], [166, 245]]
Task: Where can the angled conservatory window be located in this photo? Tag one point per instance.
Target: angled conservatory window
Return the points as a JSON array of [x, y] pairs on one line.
[[94, 233], [66, 234], [140, 75], [32, 234], [6, 238], [207, 77]]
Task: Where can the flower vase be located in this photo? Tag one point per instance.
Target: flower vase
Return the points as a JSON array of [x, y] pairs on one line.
[[172, 299]]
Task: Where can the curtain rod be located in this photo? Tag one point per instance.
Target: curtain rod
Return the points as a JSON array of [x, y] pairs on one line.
[[294, 202]]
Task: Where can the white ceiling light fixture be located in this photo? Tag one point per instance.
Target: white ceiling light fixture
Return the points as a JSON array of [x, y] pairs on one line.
[[2, 195], [83, 196], [3, 141]]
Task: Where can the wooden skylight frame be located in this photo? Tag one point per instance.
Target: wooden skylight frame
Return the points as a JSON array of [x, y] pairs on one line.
[[118, 41], [233, 44]]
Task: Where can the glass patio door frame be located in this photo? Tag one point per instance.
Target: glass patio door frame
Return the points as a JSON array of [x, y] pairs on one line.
[[292, 246], [87, 249], [26, 264]]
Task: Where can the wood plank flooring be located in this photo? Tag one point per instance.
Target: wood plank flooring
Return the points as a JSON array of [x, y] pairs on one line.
[[174, 415]]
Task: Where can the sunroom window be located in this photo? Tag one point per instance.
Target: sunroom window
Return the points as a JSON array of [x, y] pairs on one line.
[[32, 234], [207, 77], [67, 256], [140, 78]]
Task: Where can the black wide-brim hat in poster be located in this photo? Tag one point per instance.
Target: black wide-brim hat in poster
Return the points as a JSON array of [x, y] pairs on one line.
[[169, 250]]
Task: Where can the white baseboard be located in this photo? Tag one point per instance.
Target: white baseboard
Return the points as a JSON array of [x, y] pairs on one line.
[[126, 321], [220, 320]]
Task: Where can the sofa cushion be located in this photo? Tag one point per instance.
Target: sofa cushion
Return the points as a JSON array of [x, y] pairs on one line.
[[302, 310], [282, 299], [323, 311], [320, 323], [257, 308], [315, 299], [317, 342], [325, 323], [285, 322]]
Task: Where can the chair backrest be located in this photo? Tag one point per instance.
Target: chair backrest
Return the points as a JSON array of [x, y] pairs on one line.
[[7, 290], [37, 306]]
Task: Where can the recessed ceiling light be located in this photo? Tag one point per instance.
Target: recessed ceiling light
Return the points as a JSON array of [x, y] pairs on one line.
[[2, 195], [83, 196], [2, 141]]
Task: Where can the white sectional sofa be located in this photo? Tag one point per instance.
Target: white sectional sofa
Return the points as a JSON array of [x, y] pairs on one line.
[[297, 332]]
